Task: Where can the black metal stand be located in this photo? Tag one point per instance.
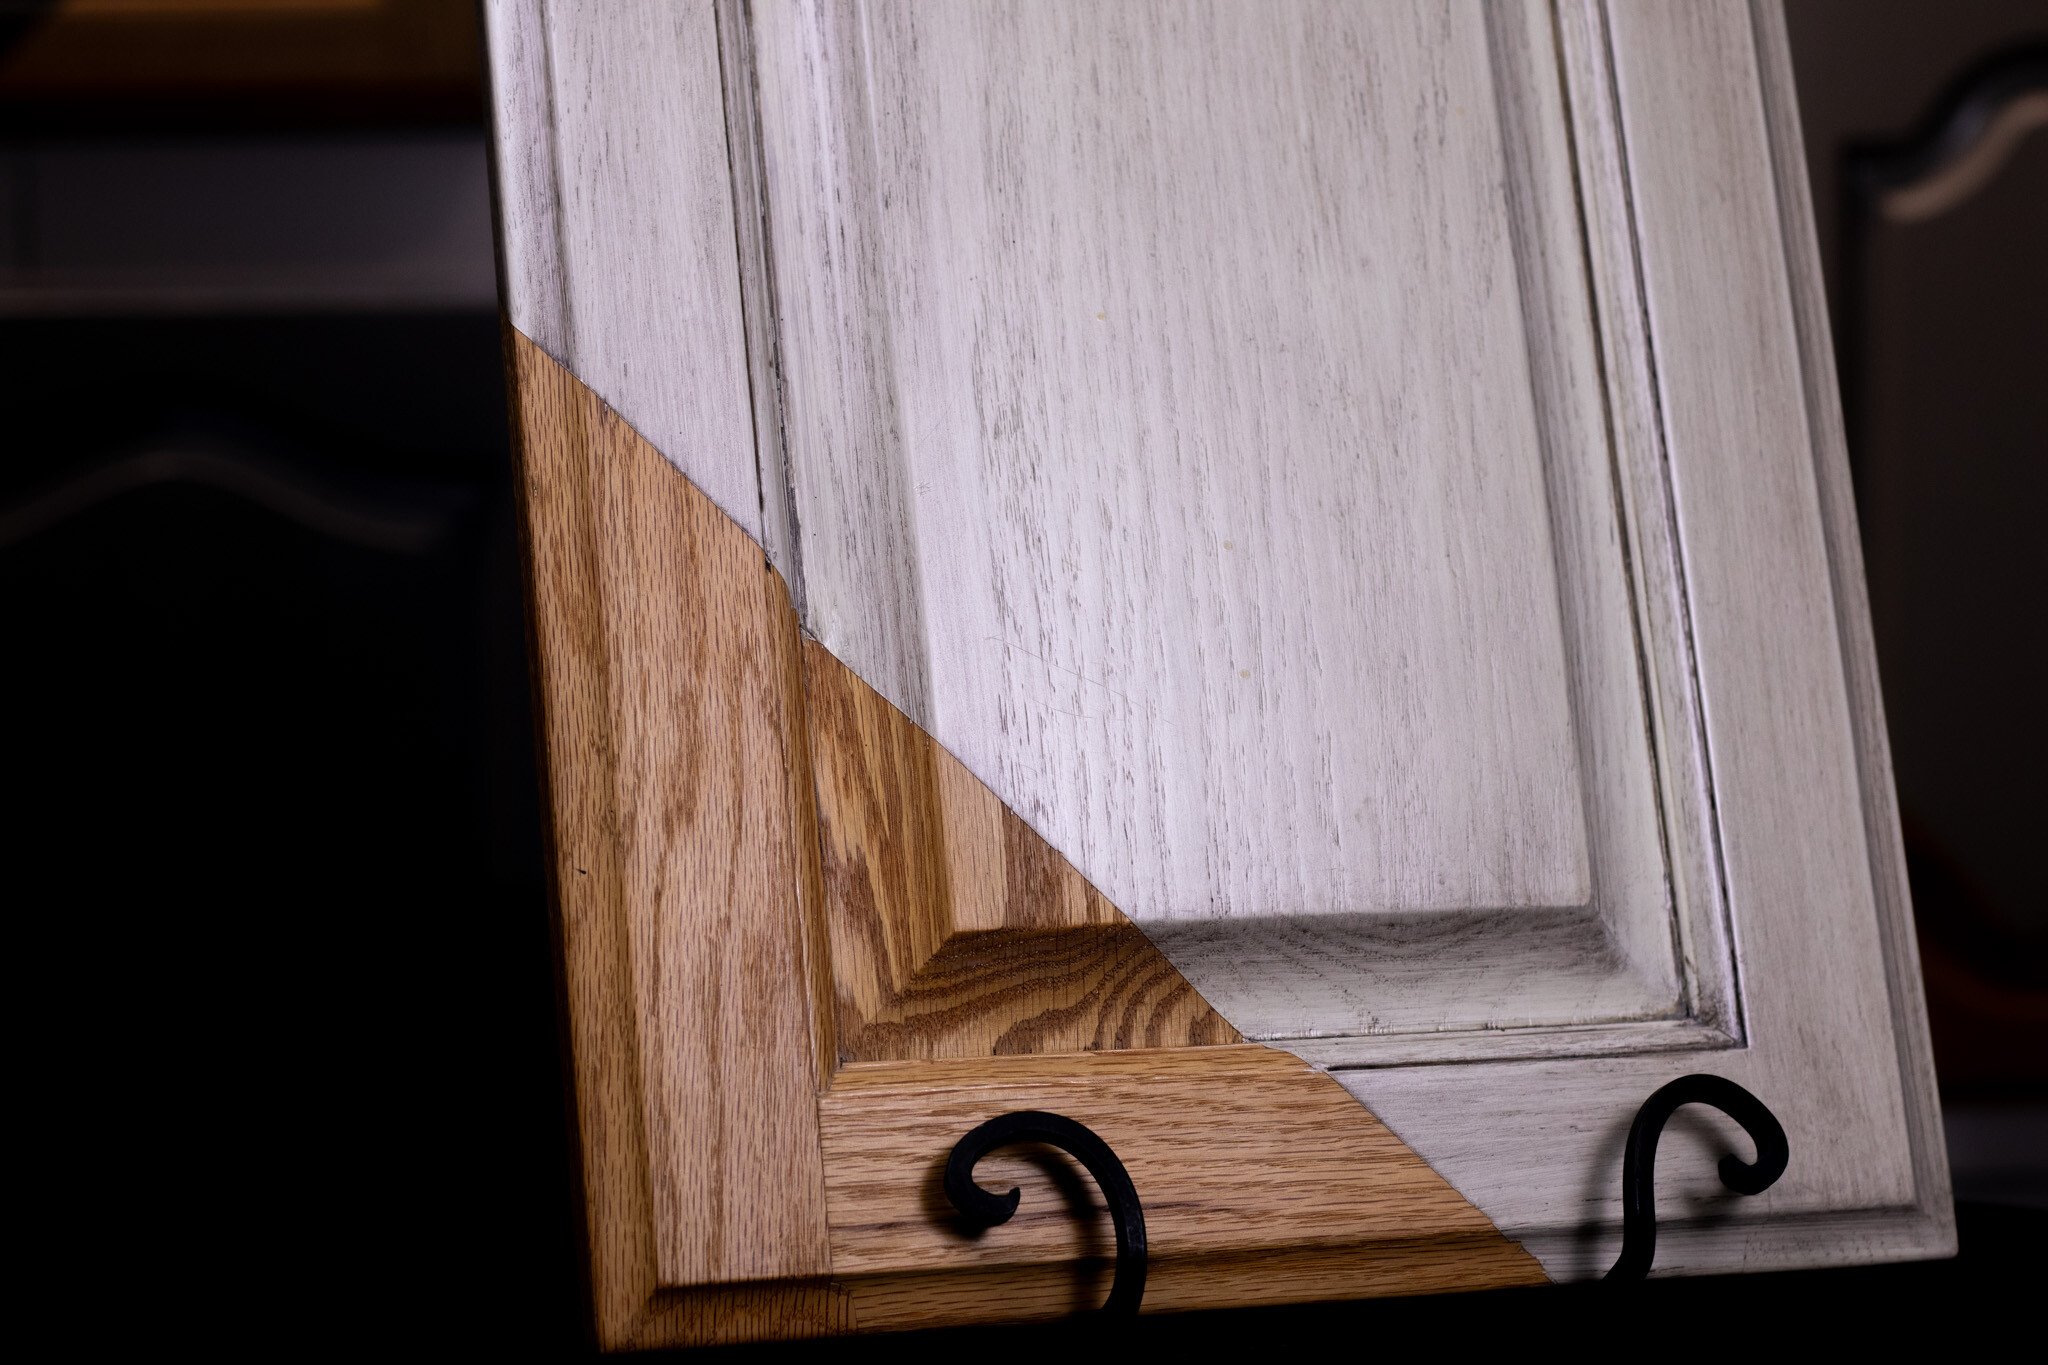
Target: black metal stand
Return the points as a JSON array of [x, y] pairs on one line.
[[1639, 1163], [979, 1208]]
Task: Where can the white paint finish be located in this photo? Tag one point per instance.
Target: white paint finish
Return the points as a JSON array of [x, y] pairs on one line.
[[616, 223], [1207, 524], [1893, 904], [1653, 886], [1173, 439], [778, 533], [1835, 1043], [1655, 570], [1154, 425], [1354, 984], [1508, 1042]]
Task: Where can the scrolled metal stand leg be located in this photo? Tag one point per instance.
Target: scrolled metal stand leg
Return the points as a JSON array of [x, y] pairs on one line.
[[1639, 1163], [981, 1208]]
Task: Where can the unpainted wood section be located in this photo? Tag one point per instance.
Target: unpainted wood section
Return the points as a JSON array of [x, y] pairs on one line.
[[661, 688], [1263, 1184], [1234, 1150], [956, 931], [674, 702], [808, 868], [944, 1296], [725, 1315], [885, 1303]]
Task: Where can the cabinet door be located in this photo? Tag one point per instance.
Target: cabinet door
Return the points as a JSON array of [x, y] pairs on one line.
[[1274, 578]]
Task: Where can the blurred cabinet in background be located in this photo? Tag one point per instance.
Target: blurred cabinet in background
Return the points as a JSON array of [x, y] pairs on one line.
[[101, 63]]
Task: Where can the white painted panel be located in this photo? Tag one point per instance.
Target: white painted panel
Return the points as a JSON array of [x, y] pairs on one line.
[[1162, 437]]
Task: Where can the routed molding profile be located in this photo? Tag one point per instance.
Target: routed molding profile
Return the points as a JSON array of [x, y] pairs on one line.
[[743, 1179], [956, 930], [665, 700]]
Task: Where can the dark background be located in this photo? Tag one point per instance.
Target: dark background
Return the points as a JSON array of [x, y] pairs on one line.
[[288, 1032]]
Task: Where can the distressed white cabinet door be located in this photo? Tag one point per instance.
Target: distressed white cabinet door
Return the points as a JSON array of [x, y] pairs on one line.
[[1362, 480]]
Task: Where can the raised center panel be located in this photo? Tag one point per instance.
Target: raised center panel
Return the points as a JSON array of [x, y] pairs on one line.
[[1193, 417]]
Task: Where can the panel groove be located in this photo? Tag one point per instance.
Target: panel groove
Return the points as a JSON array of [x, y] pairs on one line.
[[1645, 351]]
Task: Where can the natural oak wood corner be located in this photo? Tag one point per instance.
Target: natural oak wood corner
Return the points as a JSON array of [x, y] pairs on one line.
[[804, 949]]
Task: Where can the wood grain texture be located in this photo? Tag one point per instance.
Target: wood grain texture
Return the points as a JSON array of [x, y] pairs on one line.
[[1281, 1191], [1235, 1150], [1122, 407], [616, 227], [1273, 1276], [661, 692], [956, 931], [728, 1199], [1933, 1212], [1720, 282], [724, 1315], [808, 868]]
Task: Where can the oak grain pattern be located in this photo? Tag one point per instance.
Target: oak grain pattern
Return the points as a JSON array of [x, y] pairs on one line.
[[954, 1296], [680, 706], [662, 688], [808, 864], [1040, 1292], [955, 930], [1234, 1150], [724, 1315]]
